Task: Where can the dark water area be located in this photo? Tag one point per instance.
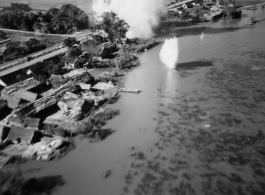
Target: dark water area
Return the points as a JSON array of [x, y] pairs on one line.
[[197, 129]]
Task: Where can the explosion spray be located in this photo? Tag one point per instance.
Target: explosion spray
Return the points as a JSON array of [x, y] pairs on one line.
[[169, 52]]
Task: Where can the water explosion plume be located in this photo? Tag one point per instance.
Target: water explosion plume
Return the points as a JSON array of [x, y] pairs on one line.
[[141, 15], [169, 52]]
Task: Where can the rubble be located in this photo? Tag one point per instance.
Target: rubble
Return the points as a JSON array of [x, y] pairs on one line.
[[43, 150]]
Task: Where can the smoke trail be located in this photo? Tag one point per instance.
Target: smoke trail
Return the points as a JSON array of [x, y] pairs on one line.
[[141, 15], [169, 52]]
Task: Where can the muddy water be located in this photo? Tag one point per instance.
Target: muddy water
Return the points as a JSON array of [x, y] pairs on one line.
[[197, 129]]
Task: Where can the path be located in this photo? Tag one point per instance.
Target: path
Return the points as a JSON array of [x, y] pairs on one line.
[[32, 62]]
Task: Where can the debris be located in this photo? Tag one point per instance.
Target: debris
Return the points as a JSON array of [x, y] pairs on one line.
[[106, 174], [44, 149]]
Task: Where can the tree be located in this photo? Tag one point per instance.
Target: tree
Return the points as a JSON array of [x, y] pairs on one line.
[[53, 68], [32, 45], [2, 35], [17, 7], [74, 52], [16, 50], [19, 17], [13, 51], [115, 27], [70, 41], [67, 17]]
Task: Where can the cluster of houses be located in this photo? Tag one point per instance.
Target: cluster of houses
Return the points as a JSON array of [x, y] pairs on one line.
[[28, 105], [30, 108], [215, 8]]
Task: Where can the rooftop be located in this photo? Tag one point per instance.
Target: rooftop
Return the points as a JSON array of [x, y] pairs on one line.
[[12, 102], [26, 95], [20, 133], [23, 85], [103, 86], [32, 122]]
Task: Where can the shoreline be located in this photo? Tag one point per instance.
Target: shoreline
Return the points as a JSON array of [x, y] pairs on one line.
[[97, 73]]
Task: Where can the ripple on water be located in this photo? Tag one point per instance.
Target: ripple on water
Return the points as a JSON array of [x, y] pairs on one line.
[[137, 120]]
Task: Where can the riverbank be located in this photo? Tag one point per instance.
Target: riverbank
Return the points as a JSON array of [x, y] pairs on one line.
[[90, 128], [72, 104], [253, 5]]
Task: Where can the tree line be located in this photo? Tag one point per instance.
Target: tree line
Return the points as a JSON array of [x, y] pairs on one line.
[[15, 50], [19, 16]]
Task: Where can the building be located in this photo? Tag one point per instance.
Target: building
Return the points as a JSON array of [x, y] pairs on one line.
[[231, 5], [26, 136], [32, 123], [103, 86], [23, 85], [26, 95], [15, 121], [84, 86], [209, 4], [12, 102], [3, 132], [187, 5], [3, 105], [214, 9]]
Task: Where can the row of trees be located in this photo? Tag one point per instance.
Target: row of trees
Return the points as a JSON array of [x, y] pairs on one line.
[[16, 50], [19, 16]]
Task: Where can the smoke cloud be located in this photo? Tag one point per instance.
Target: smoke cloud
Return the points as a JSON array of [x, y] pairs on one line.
[[169, 52], [141, 15]]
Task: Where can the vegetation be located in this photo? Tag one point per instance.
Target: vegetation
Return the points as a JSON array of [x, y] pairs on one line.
[[125, 61], [13, 183], [74, 52], [53, 68], [70, 41], [2, 35], [232, 12], [85, 59], [60, 21], [16, 50], [113, 26], [18, 16]]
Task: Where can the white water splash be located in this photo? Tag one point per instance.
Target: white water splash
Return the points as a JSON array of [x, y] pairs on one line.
[[141, 15], [202, 36], [169, 52]]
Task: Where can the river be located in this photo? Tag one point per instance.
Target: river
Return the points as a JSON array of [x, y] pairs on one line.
[[197, 129]]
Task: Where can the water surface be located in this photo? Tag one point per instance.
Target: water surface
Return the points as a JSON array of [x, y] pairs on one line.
[[197, 129]]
